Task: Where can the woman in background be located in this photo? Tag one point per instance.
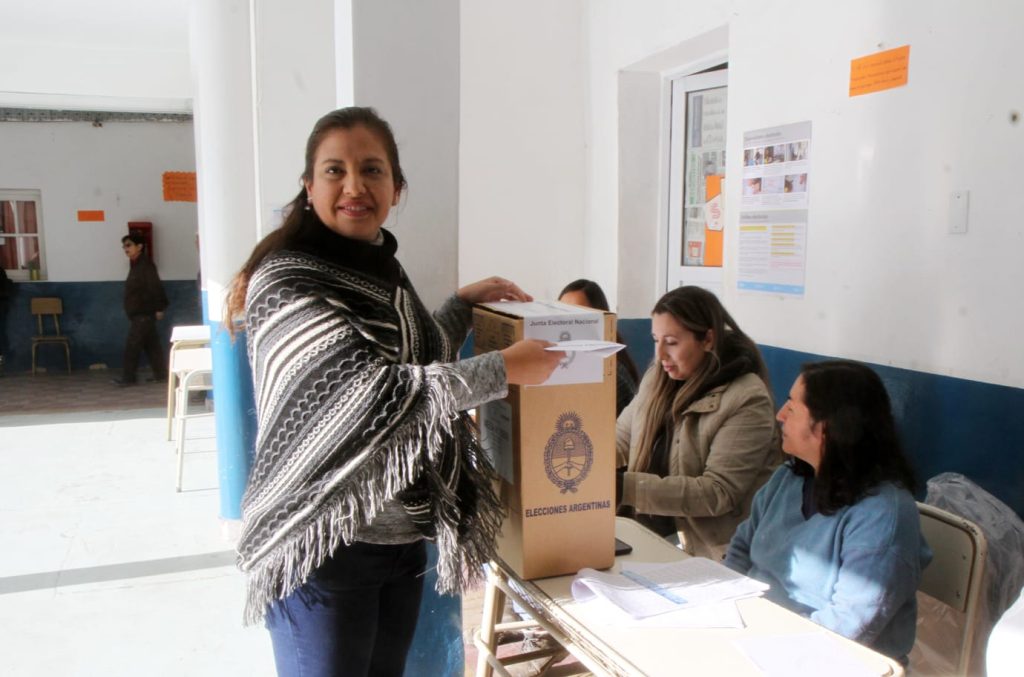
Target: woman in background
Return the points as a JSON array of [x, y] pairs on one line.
[[699, 438], [589, 294], [836, 531]]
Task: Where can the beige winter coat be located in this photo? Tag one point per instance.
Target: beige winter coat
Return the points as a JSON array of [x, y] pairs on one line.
[[724, 449]]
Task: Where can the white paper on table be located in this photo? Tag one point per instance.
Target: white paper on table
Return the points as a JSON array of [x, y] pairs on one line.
[[805, 653], [647, 589], [600, 349], [720, 615]]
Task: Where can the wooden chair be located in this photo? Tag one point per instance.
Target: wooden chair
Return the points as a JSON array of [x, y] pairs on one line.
[[52, 306], [955, 574]]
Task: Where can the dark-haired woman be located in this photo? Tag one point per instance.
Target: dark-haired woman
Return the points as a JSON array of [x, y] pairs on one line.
[[836, 531], [589, 294], [699, 438], [363, 448]]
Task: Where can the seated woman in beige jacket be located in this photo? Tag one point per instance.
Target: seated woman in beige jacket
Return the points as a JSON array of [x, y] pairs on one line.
[[699, 438]]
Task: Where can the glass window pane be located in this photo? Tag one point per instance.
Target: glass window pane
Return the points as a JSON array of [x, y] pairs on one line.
[[7, 217], [27, 217], [28, 248], [8, 253], [704, 156]]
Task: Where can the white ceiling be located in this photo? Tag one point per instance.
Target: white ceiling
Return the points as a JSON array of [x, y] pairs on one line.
[[124, 24]]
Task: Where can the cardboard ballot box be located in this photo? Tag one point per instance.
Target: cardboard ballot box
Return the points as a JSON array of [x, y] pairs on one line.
[[553, 445]]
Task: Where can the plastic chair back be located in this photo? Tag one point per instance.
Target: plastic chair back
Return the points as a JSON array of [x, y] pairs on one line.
[[954, 576]]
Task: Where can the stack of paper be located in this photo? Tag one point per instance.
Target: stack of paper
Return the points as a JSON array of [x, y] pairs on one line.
[[644, 590]]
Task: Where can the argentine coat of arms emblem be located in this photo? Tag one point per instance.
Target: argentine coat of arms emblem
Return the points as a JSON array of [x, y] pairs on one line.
[[569, 453]]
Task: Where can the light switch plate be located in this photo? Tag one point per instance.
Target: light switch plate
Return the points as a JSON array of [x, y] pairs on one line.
[[958, 203]]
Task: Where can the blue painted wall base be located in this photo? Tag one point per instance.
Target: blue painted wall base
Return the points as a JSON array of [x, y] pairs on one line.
[[93, 319]]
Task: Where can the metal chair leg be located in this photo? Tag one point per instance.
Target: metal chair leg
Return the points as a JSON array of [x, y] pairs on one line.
[[172, 379], [181, 409]]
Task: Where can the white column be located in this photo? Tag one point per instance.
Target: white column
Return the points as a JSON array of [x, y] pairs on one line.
[[228, 227]]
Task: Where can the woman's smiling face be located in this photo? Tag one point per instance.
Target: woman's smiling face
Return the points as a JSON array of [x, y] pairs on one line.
[[352, 188]]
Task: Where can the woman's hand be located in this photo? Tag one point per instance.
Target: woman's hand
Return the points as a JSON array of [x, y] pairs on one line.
[[528, 363], [492, 289]]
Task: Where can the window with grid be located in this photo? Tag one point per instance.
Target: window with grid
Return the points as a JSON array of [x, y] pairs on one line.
[[21, 232]]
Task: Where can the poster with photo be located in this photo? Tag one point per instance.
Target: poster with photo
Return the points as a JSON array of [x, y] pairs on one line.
[[774, 209], [776, 165]]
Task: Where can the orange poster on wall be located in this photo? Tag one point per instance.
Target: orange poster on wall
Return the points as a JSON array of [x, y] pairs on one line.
[[91, 215], [712, 237], [876, 72], [179, 186]]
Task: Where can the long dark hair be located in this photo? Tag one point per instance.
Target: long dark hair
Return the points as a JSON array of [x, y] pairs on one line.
[[297, 218], [596, 299], [860, 447], [732, 354]]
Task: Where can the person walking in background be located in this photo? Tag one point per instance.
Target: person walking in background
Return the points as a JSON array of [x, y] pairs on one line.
[[144, 303], [700, 437], [364, 448], [589, 294]]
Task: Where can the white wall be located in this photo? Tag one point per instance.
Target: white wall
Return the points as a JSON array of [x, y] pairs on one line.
[[523, 145], [406, 65], [294, 85], [885, 280], [117, 168], [123, 55]]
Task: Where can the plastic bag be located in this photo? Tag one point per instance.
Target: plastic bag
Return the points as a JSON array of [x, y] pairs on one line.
[[1004, 531], [939, 627]]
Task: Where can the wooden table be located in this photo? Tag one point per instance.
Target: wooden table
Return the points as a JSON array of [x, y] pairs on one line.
[[615, 650]]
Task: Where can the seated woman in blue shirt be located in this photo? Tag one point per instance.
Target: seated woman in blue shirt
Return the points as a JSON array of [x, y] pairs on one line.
[[835, 531]]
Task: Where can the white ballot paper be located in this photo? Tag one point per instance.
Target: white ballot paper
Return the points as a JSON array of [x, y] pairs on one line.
[[559, 322], [600, 349], [646, 589], [718, 615], [805, 653]]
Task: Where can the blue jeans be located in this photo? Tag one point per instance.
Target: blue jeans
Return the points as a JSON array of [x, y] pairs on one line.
[[355, 615]]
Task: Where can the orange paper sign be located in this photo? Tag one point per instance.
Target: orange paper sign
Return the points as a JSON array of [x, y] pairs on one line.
[[179, 186], [883, 70], [91, 215], [712, 238]]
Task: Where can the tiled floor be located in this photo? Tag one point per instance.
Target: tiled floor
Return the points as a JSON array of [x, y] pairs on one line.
[[104, 568], [50, 392]]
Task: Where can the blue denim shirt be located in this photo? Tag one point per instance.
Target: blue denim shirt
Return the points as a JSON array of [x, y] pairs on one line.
[[856, 572]]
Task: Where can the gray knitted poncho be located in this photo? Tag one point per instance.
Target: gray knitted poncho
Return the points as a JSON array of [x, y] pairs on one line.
[[355, 409]]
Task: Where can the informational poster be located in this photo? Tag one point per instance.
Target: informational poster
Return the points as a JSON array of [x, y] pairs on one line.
[[772, 247], [774, 205]]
